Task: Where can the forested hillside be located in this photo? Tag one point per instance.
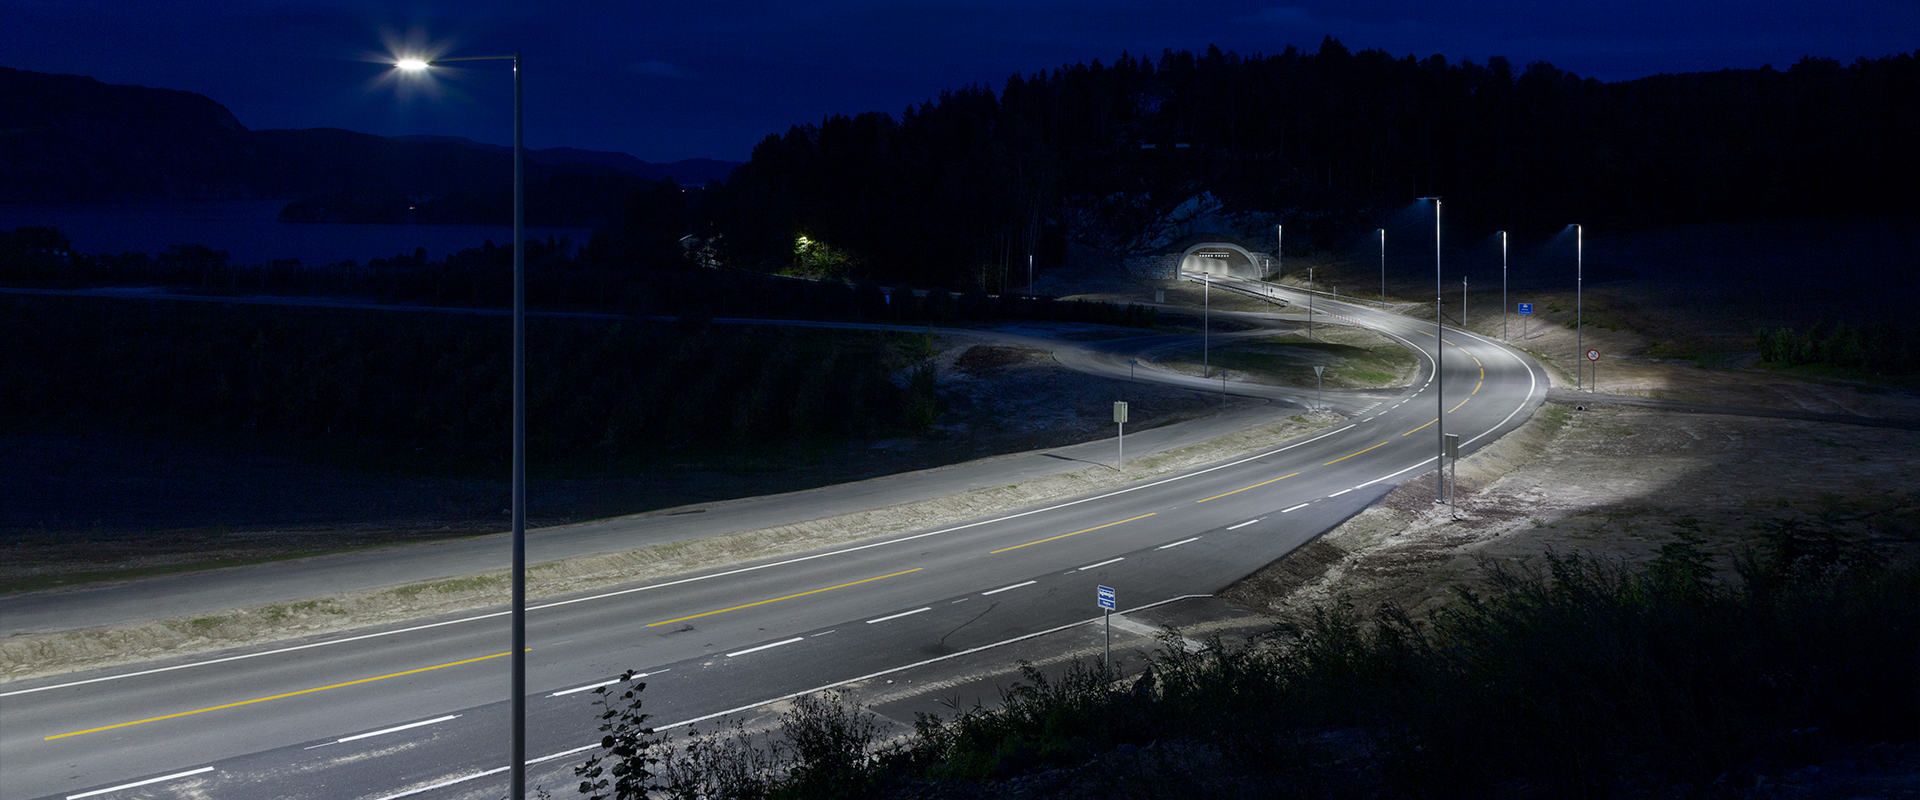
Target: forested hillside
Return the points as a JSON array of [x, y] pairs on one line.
[[958, 191]]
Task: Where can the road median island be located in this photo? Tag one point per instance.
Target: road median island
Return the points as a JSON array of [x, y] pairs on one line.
[[33, 655]]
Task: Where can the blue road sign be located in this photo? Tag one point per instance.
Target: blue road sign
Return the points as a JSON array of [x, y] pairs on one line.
[[1526, 309], [1106, 598]]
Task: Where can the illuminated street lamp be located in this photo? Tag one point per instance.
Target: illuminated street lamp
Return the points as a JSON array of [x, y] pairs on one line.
[[1439, 352], [517, 757]]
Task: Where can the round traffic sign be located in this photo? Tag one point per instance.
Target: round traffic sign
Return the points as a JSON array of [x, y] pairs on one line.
[[1593, 355]]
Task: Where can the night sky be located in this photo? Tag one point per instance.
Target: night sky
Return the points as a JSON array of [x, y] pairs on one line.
[[668, 81]]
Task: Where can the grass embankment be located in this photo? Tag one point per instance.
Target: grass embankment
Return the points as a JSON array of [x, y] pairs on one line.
[[1354, 358], [1580, 678]]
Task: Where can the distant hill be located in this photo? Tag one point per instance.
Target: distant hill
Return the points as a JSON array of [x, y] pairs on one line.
[[690, 172], [70, 138]]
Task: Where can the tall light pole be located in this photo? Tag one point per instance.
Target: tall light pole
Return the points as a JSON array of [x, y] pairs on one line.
[[517, 755], [1206, 324], [1439, 353], [1579, 280], [1503, 286], [1310, 303], [1279, 237], [1383, 265]]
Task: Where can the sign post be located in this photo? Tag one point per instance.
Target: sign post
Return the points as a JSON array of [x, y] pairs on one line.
[[1318, 395], [1120, 418], [1105, 597], [1526, 310], [1593, 356]]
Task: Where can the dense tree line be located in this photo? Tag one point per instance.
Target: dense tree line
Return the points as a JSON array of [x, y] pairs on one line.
[[959, 190], [632, 271], [431, 388], [1882, 348]]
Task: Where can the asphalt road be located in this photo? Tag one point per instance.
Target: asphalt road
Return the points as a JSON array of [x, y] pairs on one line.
[[419, 710]]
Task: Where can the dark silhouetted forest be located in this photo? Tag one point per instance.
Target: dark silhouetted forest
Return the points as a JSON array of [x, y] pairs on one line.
[[958, 190]]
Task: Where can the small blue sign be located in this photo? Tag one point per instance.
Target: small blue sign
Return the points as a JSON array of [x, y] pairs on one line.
[[1106, 598], [1526, 309]]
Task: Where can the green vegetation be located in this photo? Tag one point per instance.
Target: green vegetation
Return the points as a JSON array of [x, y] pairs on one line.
[[1289, 360], [1879, 349], [1570, 677]]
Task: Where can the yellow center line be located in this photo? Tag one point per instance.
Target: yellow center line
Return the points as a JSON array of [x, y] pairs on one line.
[[277, 696], [778, 599], [1255, 486], [1476, 388], [1462, 403], [1424, 333], [1423, 427], [1483, 373], [1350, 455], [1075, 533], [1476, 362]]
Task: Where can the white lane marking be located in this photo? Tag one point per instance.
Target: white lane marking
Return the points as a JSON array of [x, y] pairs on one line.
[[823, 633], [1178, 543], [1295, 508], [1102, 564], [1341, 492], [694, 579], [899, 615], [1242, 525], [592, 686], [395, 729], [1005, 588], [140, 783], [766, 646]]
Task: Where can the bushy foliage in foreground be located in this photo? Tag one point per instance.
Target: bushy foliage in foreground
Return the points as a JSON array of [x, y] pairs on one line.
[[1572, 677]]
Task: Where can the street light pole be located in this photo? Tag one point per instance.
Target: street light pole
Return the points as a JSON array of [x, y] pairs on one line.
[[1310, 303], [1579, 280], [1206, 324], [1503, 286], [517, 746], [1439, 354], [1383, 265]]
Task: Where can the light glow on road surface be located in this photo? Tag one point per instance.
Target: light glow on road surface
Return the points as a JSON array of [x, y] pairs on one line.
[[1075, 533], [778, 599], [766, 646], [276, 697], [396, 729], [1255, 486], [160, 779], [1350, 455]]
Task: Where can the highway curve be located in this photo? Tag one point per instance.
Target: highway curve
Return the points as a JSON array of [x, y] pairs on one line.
[[417, 710]]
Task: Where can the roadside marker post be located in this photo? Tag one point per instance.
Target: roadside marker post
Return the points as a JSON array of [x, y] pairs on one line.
[[1105, 597], [1120, 418]]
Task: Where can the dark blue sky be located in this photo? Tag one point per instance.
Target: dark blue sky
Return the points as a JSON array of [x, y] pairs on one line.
[[709, 78]]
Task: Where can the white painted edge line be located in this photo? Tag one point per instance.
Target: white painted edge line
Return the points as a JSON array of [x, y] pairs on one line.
[[766, 646], [398, 728], [1178, 543], [1241, 525], [696, 578], [1005, 588], [1341, 492], [891, 617], [140, 783], [834, 685], [592, 686], [1102, 564], [1295, 508]]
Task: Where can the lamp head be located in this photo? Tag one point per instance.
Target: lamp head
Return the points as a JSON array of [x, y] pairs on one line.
[[412, 64]]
